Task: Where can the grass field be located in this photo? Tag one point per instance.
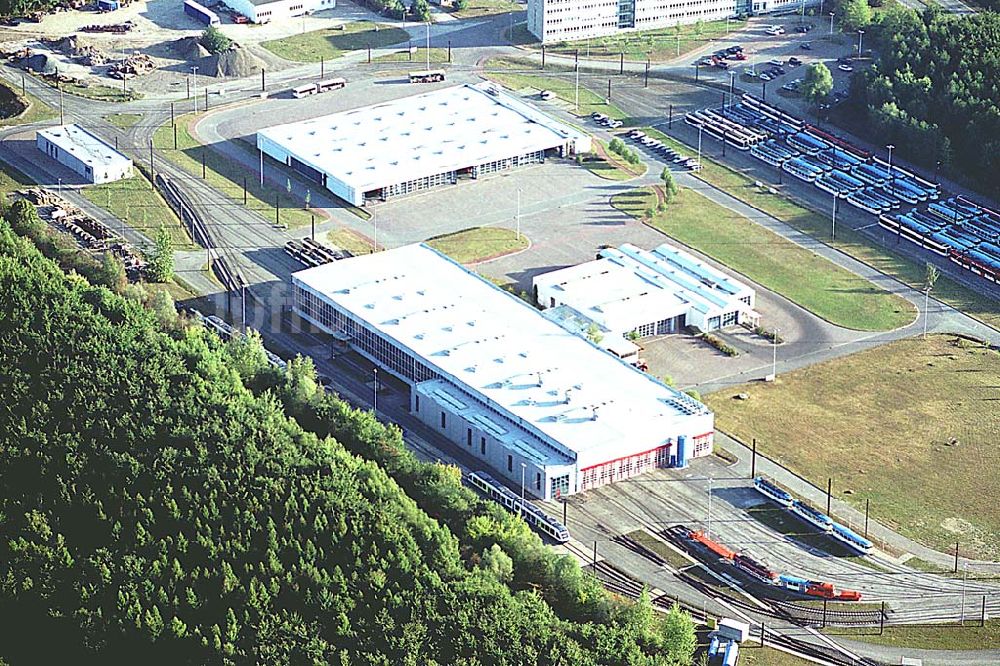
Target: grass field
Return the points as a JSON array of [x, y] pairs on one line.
[[929, 637], [881, 424], [785, 523], [332, 43], [813, 282], [134, 201], [516, 74], [477, 244], [124, 120], [658, 45], [663, 550], [11, 179], [766, 656], [848, 241], [349, 240], [97, 91], [486, 8], [225, 175], [418, 58], [37, 110], [610, 166]]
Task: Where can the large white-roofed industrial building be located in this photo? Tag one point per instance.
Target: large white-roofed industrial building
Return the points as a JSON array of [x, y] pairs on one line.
[[498, 378], [418, 142], [648, 292], [81, 151]]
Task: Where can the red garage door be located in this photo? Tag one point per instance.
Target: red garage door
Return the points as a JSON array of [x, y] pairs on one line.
[[623, 468]]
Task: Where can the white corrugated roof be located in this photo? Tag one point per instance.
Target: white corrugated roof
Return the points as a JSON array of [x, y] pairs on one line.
[[83, 145], [507, 353], [629, 284], [423, 135]]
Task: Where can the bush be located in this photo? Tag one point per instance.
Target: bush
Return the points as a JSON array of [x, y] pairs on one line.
[[773, 336], [717, 342], [214, 41]]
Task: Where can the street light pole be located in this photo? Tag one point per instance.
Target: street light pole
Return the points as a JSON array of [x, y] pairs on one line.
[[774, 357], [888, 173], [578, 88], [194, 75], [375, 392], [518, 219], [927, 295], [831, 22], [427, 50], [700, 128], [861, 34], [833, 230]]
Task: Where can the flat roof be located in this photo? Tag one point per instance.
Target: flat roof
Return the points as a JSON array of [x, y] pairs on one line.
[[629, 283], [508, 354], [83, 145], [421, 135]]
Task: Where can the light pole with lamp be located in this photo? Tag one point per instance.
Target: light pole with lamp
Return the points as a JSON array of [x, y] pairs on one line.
[[427, 49], [732, 86], [375, 392], [774, 357], [194, 76], [888, 173], [700, 128], [833, 229], [831, 22], [518, 216], [861, 33]]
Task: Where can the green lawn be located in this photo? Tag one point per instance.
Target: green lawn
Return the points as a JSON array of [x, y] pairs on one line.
[[785, 523], [471, 246], [124, 120], [419, 56], [517, 74], [779, 206], [97, 91], [930, 637], [611, 166], [226, 176], [478, 8], [349, 240], [332, 43], [751, 655], [646, 539], [135, 202], [11, 179], [881, 423], [658, 45], [37, 110], [803, 277]]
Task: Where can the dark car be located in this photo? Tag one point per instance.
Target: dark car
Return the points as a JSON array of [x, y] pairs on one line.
[[844, 60], [733, 50], [794, 62], [806, 46], [722, 64]]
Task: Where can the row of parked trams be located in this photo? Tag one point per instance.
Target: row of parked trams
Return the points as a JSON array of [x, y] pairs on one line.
[[906, 204]]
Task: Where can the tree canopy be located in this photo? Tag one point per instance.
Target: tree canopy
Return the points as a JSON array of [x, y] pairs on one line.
[[159, 505], [818, 82], [934, 91]]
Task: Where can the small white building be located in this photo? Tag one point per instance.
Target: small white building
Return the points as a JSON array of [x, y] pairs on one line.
[[265, 11], [416, 143], [81, 151], [651, 292]]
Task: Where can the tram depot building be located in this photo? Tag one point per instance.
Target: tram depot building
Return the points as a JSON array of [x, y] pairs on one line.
[[419, 142], [499, 378]]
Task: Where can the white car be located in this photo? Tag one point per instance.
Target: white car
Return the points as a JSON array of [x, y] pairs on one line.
[[614, 124], [749, 72], [845, 68], [765, 76], [546, 94]]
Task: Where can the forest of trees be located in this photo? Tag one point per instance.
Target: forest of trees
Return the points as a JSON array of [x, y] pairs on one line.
[[934, 91], [158, 504]]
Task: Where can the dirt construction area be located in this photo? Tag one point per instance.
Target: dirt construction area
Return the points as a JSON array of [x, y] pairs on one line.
[[157, 30]]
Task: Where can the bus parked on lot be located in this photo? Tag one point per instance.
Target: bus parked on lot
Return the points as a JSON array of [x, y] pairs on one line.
[[331, 84], [429, 76], [200, 13]]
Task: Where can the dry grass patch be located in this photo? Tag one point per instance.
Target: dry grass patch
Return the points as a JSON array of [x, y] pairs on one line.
[[912, 426]]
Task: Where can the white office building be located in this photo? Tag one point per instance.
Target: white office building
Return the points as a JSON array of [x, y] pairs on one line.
[[553, 21], [419, 142], [498, 378], [651, 292], [265, 11], [81, 151]]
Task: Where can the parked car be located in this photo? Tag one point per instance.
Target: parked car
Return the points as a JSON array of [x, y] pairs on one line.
[[546, 94], [750, 72], [722, 64], [804, 28], [794, 62], [740, 56], [775, 30], [764, 76], [845, 68], [614, 124], [775, 62], [845, 60], [733, 50], [806, 46]]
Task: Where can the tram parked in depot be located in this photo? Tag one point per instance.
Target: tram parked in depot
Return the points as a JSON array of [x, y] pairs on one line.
[[532, 515]]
